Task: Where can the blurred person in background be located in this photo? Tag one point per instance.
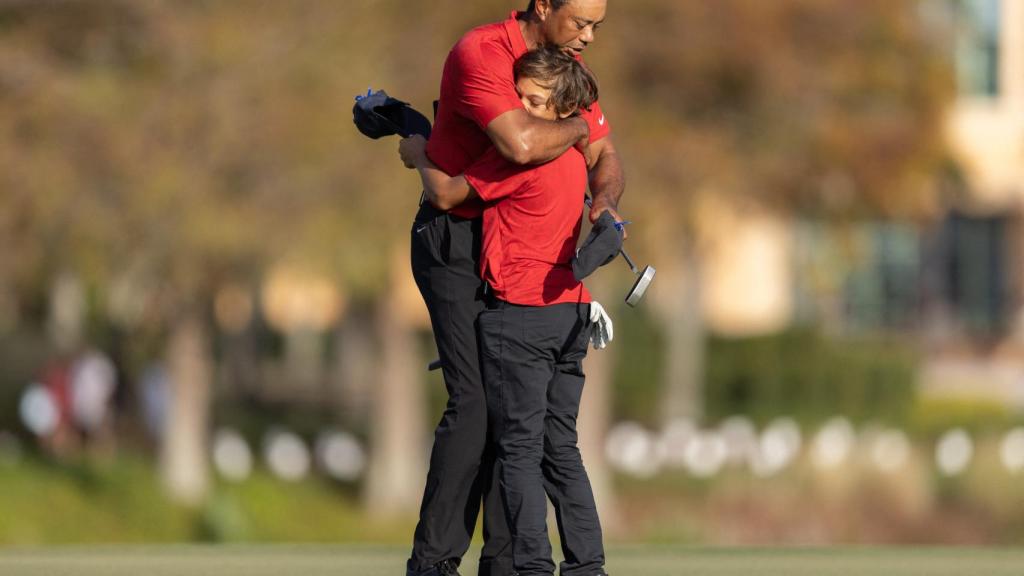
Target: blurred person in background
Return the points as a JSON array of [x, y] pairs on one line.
[[536, 327], [61, 440], [92, 385], [479, 108]]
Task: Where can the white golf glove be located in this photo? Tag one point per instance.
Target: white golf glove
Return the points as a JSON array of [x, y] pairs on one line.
[[601, 332]]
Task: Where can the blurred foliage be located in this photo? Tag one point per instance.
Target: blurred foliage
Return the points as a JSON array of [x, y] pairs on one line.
[[263, 509], [121, 501], [639, 365], [172, 146], [931, 417], [21, 358], [825, 107], [87, 503], [810, 377]]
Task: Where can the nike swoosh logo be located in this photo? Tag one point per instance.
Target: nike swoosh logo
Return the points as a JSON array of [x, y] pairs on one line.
[[601, 121]]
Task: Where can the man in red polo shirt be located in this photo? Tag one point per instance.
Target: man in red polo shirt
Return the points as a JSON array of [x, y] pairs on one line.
[[535, 330], [478, 109]]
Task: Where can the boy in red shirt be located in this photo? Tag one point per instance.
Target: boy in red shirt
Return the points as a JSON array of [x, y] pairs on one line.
[[536, 328]]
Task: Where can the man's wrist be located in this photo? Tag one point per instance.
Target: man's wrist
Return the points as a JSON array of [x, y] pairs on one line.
[[582, 128], [600, 203]]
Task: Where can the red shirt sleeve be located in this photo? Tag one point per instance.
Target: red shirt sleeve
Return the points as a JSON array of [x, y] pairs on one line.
[[599, 126], [493, 177], [486, 89]]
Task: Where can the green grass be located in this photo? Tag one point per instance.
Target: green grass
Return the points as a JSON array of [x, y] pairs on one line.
[[389, 561]]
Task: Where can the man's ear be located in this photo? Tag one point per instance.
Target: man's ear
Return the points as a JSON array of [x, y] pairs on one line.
[[542, 8]]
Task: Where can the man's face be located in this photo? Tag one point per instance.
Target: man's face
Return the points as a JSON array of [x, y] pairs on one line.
[[572, 26]]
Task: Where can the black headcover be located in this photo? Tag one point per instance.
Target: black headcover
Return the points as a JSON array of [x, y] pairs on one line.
[[377, 115], [601, 246]]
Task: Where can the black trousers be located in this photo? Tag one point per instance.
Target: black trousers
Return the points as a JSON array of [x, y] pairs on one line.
[[532, 367], [445, 264]]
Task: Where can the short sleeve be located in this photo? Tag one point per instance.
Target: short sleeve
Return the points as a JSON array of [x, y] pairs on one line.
[[486, 89], [599, 126], [493, 177]]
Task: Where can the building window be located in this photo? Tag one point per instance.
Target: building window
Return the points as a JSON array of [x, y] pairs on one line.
[[977, 46], [976, 274]]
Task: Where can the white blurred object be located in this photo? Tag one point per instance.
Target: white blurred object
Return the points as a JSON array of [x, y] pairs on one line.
[[673, 442], [601, 330], [1011, 452], [38, 410], [632, 449], [93, 379], [706, 454], [740, 437], [231, 455], [890, 450], [10, 449], [833, 443], [286, 455], [953, 452], [340, 455], [779, 446]]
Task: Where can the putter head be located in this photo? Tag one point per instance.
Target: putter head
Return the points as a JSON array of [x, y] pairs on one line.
[[643, 281]]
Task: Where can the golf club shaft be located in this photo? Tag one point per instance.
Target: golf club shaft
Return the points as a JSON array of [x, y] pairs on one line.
[[629, 261]]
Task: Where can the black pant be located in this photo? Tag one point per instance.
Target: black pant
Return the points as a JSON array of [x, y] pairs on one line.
[[532, 366], [445, 264]]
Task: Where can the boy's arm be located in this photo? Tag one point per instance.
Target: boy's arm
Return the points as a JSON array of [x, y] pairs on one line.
[[443, 191]]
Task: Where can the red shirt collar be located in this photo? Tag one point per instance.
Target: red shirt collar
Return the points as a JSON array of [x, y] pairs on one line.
[[515, 34]]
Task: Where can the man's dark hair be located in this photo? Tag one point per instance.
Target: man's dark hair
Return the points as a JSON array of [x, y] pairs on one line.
[[573, 87], [555, 4]]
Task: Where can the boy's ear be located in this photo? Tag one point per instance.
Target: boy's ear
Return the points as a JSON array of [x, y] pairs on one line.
[[564, 115]]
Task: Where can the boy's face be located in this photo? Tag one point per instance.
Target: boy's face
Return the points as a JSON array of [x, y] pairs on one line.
[[537, 99]]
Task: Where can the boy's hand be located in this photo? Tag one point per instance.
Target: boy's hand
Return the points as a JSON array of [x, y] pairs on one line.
[[413, 151], [601, 331]]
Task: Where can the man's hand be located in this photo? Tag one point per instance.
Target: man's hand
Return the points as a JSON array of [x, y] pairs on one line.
[[598, 208], [413, 151]]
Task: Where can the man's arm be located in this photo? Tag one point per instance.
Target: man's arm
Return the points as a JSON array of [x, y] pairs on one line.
[[607, 179], [525, 139], [443, 191]]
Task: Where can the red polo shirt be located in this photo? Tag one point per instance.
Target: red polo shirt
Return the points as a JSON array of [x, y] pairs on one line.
[[531, 227], [477, 86]]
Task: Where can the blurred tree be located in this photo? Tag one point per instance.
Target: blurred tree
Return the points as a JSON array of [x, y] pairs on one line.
[[161, 150], [825, 109]]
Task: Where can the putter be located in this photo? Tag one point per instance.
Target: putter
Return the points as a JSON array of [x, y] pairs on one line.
[[643, 280]]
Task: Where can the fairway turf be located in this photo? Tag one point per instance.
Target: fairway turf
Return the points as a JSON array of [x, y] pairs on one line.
[[389, 561]]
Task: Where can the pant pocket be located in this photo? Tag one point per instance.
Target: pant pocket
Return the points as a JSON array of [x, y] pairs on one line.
[[433, 236]]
